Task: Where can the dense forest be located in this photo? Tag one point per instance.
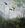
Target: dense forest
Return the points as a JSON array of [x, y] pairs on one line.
[[18, 23]]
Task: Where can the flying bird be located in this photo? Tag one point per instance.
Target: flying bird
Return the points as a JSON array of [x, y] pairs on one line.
[[5, 3]]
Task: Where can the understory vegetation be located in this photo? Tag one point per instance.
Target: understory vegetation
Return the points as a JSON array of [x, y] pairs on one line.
[[18, 23]]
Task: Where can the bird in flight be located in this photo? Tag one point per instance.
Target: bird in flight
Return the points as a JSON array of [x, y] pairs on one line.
[[5, 3]]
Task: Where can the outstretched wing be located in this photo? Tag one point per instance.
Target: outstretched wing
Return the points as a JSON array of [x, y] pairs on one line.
[[5, 3]]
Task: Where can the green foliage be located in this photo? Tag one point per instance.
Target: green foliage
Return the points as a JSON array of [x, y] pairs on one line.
[[23, 1], [20, 23], [0, 19], [19, 5], [18, 0]]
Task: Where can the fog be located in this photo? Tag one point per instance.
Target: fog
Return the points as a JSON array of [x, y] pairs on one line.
[[13, 13]]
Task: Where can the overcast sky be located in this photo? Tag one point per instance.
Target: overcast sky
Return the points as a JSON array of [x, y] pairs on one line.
[[5, 12]]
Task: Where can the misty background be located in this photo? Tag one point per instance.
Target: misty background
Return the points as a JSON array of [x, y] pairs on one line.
[[19, 10]]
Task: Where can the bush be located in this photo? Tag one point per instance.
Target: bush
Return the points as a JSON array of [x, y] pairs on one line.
[[18, 23]]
